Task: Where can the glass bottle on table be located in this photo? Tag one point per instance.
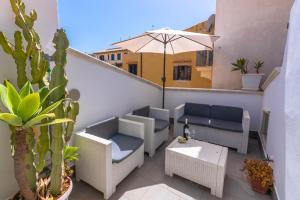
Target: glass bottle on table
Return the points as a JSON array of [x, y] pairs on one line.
[[186, 130]]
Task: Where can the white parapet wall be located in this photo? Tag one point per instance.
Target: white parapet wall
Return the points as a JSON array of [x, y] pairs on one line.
[[106, 90], [248, 100]]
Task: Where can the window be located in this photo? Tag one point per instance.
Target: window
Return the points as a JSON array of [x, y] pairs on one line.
[[132, 68], [204, 58], [112, 56], [182, 72], [119, 56], [118, 65], [107, 56], [210, 58], [264, 126], [101, 57]]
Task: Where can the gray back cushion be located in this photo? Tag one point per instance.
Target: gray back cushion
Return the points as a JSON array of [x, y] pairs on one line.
[[194, 109], [105, 129], [144, 111], [227, 113]]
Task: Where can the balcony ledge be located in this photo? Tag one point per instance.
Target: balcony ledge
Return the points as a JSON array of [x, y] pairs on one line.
[[216, 90]]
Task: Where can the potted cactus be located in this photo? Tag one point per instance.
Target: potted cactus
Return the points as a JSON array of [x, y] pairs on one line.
[[42, 120], [250, 81]]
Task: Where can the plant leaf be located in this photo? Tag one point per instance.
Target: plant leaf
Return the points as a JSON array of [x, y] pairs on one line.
[[71, 153], [28, 106], [43, 92], [11, 119], [4, 98], [13, 97], [26, 90], [56, 121], [46, 95], [38, 119], [51, 107]]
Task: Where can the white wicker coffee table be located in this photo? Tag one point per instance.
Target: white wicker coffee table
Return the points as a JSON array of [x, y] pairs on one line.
[[198, 161]]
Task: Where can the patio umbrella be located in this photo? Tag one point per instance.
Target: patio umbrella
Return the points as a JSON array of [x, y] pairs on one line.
[[168, 41]]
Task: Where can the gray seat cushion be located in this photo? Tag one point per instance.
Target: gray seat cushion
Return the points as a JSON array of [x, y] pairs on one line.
[[123, 146], [227, 125], [227, 113], [160, 125], [144, 112], [194, 109], [194, 120], [105, 129]]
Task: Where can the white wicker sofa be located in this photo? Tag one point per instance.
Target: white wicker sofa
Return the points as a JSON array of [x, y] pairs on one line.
[[156, 123], [109, 151], [223, 125]]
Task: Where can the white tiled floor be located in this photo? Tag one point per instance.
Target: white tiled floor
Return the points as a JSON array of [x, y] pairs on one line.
[[150, 183]]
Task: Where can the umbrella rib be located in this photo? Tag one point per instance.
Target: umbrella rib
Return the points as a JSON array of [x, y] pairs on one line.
[[153, 38], [196, 42], [169, 41], [176, 38]]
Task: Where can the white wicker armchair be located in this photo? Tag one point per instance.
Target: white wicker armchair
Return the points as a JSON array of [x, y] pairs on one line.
[[96, 166], [156, 124]]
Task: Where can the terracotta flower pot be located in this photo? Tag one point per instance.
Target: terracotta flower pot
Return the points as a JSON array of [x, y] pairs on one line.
[[257, 187]]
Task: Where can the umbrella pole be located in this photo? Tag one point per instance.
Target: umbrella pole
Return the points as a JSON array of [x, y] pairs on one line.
[[164, 77], [142, 65]]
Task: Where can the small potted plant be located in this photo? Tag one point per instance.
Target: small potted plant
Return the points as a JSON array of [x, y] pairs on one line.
[[260, 175], [250, 81]]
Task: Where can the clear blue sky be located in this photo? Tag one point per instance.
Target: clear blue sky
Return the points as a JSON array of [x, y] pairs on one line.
[[95, 24]]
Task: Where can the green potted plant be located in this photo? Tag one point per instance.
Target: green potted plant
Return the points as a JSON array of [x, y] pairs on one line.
[[250, 81], [41, 120], [260, 175], [25, 112]]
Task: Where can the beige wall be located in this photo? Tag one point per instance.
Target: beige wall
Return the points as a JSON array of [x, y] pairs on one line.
[[255, 29], [153, 68]]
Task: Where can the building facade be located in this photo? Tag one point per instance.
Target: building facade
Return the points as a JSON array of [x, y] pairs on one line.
[[259, 36], [191, 69]]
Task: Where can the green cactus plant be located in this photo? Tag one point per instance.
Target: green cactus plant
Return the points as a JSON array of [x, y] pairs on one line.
[[38, 61], [58, 131], [18, 54]]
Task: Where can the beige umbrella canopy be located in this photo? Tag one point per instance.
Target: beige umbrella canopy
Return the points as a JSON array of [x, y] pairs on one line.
[[168, 41]]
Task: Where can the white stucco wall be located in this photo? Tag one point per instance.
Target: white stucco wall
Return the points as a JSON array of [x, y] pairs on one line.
[[255, 29], [105, 90], [46, 26], [282, 99], [292, 108], [251, 102], [273, 101]]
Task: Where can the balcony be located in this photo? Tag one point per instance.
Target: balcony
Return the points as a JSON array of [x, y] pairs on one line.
[[150, 181], [108, 85]]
